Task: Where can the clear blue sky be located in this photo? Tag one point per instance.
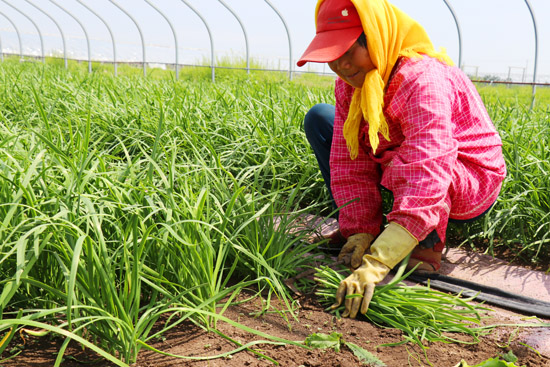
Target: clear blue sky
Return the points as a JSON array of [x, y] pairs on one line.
[[496, 34]]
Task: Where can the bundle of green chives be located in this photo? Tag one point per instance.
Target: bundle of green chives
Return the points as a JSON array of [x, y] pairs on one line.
[[422, 313]]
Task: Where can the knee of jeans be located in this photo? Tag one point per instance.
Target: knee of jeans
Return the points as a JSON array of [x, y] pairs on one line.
[[314, 117], [310, 120]]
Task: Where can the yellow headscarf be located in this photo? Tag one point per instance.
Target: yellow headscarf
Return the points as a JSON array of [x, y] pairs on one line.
[[390, 34]]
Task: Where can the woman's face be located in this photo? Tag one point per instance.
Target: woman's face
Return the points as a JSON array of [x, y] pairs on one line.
[[353, 66]]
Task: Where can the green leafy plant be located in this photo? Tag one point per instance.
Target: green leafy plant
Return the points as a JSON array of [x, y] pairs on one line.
[[335, 341]]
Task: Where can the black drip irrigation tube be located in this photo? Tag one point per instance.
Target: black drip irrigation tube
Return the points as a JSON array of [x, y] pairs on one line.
[[480, 292]]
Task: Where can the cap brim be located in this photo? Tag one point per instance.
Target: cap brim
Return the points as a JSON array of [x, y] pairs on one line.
[[330, 45]]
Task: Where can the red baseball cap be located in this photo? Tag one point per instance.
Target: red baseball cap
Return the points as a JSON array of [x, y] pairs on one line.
[[338, 27]]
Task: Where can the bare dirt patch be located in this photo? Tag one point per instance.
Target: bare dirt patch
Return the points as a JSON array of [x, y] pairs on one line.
[[192, 341]]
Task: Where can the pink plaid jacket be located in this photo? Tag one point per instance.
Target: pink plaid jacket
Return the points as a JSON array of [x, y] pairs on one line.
[[444, 158]]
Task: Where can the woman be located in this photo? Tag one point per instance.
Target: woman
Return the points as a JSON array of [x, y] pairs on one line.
[[406, 120]]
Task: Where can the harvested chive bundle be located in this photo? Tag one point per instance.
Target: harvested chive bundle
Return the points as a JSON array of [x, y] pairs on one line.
[[423, 314]]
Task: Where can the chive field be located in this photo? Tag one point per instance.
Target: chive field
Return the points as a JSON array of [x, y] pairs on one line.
[[124, 200]]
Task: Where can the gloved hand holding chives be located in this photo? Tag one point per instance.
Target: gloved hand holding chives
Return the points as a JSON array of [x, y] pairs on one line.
[[393, 244]]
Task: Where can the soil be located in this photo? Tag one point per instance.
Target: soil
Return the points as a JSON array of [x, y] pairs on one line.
[[192, 341], [311, 317]]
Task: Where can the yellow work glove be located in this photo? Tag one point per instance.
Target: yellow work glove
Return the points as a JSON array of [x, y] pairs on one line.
[[393, 244], [353, 250]]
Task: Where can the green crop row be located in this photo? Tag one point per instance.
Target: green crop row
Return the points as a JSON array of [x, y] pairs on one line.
[[127, 199], [124, 200]]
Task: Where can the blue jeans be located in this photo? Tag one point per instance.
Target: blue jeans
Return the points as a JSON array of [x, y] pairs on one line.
[[319, 127]]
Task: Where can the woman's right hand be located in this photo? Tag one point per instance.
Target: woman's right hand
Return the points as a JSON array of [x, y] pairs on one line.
[[353, 250]]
